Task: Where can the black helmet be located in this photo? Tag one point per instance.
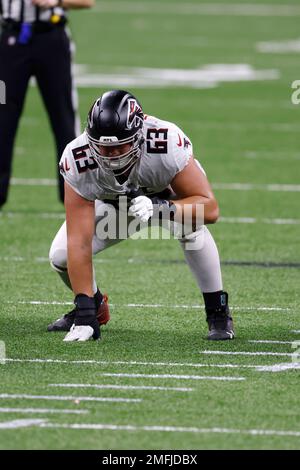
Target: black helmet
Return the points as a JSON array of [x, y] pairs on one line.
[[116, 118]]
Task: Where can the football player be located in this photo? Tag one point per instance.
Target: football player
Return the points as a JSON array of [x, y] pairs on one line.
[[124, 152]]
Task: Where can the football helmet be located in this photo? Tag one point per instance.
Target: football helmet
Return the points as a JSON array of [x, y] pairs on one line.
[[116, 118]]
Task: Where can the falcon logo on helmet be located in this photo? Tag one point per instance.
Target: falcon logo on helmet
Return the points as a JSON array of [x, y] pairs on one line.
[[135, 114]]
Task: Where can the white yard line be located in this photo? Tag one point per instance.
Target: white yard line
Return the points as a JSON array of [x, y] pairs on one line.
[[247, 353], [67, 398], [279, 367], [131, 363], [267, 341], [42, 411], [123, 387], [206, 76], [260, 308], [295, 331], [40, 215], [33, 182], [222, 186], [281, 47], [40, 302], [184, 306], [21, 423], [253, 220], [172, 376], [272, 155], [209, 9], [257, 187], [283, 366], [130, 427], [229, 220]]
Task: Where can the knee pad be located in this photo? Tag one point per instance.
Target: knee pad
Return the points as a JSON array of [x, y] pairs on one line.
[[58, 260], [193, 240]]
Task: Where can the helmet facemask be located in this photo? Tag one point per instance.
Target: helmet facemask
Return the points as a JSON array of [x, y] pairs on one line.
[[118, 164]]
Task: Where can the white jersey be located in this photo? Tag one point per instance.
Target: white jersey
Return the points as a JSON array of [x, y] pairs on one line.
[[166, 152]]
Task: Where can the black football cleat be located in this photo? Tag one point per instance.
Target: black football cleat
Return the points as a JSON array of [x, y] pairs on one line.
[[220, 323], [103, 315], [220, 326], [64, 323]]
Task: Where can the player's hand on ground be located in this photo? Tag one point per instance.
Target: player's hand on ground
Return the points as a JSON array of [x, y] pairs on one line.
[[141, 208], [85, 324]]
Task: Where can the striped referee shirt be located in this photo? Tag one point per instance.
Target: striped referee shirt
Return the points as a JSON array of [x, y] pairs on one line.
[[24, 11]]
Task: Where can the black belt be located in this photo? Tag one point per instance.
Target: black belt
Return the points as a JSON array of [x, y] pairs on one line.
[[37, 27]]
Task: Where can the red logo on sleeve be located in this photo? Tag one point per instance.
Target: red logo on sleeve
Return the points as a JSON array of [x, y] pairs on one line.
[[66, 165], [179, 144]]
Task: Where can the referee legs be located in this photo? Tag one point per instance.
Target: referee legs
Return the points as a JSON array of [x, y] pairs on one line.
[[15, 71], [54, 78]]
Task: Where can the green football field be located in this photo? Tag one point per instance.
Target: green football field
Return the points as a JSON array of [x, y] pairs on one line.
[[222, 72]]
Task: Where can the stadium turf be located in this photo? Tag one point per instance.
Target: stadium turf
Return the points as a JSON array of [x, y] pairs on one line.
[[245, 133]]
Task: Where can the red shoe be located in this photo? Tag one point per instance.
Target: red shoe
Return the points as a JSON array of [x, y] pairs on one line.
[[103, 315]]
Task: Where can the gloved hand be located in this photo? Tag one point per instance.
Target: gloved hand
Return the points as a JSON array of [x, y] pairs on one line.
[[141, 207], [85, 324]]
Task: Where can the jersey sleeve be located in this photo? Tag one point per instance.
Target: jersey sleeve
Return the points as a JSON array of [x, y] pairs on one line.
[[70, 171], [180, 149]]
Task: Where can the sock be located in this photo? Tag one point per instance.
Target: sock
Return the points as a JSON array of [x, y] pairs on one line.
[[205, 262], [215, 301], [98, 298]]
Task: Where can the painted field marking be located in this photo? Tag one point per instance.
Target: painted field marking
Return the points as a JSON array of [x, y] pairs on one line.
[[21, 423], [222, 186], [131, 363], [229, 220], [130, 427], [203, 77], [295, 331], [42, 410], [279, 367], [40, 215], [253, 220], [122, 387], [271, 155], [33, 181], [198, 306], [266, 341], [172, 376], [281, 47], [247, 353], [266, 367], [67, 398], [54, 302], [257, 187]]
